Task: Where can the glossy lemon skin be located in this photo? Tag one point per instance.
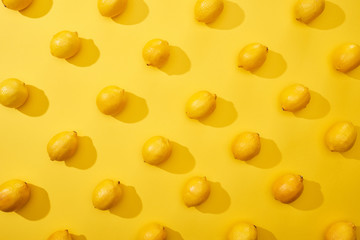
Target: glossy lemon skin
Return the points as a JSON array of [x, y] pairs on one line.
[[242, 231], [111, 8], [60, 235], [196, 191], [341, 136], [17, 5], [207, 11], [252, 56], [346, 57], [111, 100], [246, 146], [288, 188], [307, 10], [13, 93], [62, 146], [294, 97], [341, 231], [156, 52], [153, 231], [107, 194], [200, 105], [65, 44], [14, 194], [156, 150]]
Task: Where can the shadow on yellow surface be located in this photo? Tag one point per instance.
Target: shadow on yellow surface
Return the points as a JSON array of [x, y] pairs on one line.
[[354, 152], [355, 73], [274, 66], [318, 107], [269, 155], [332, 17], [37, 9], [173, 235], [181, 160], [178, 62], [87, 55], [218, 202], [265, 234], [85, 156], [78, 237], [130, 205], [135, 109], [37, 103], [136, 11], [223, 115], [38, 206], [311, 197], [231, 17]]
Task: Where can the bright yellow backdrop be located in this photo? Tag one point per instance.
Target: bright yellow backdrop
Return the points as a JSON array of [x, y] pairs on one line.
[[203, 58]]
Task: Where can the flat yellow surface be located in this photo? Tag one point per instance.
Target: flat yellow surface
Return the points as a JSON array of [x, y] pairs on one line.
[[202, 58]]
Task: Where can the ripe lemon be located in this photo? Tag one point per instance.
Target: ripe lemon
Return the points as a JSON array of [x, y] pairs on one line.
[[17, 5], [294, 97], [341, 136], [252, 56], [107, 194], [308, 10], [196, 191], [200, 105], [153, 231], [13, 93], [288, 188], [346, 57], [242, 231], [62, 146], [208, 10], [156, 52], [65, 44], [341, 231], [111, 100], [156, 150], [14, 194], [246, 146], [111, 8]]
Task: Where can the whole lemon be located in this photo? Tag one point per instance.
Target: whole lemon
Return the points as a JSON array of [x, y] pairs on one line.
[[156, 52], [208, 10], [111, 8], [242, 231], [62, 146], [196, 191], [200, 105], [65, 44], [246, 146], [346, 57], [107, 194], [156, 150], [308, 10], [288, 188], [14, 194], [60, 235], [341, 136], [252, 56], [111, 100], [294, 97], [341, 231], [17, 5], [13, 93], [153, 231]]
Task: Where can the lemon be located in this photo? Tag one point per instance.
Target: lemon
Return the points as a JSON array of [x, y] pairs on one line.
[[62, 146], [200, 105], [111, 8], [288, 188], [153, 231], [111, 100], [14, 194], [346, 57], [107, 194], [13, 93], [156, 150], [341, 136], [60, 235], [246, 146], [208, 10], [65, 44], [156, 52], [196, 191], [308, 10], [242, 231], [252, 56], [17, 5], [294, 97], [341, 231]]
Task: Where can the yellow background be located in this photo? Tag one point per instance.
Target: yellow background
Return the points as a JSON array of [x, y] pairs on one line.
[[203, 58]]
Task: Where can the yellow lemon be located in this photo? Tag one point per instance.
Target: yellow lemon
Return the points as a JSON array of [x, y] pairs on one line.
[[308, 10], [14, 194], [107, 194], [252, 56], [346, 57], [153, 231], [111, 100], [196, 191], [341, 136], [208, 10], [242, 231], [341, 231], [288, 188], [111, 8], [60, 235], [200, 105], [156, 150], [65, 44], [17, 5], [13, 93], [246, 146], [62, 146], [294, 97], [156, 52]]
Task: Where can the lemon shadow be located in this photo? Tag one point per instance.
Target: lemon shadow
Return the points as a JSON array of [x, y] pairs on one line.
[[87, 55], [178, 62], [223, 115], [332, 17], [130, 205], [172, 234], [273, 67], [136, 11], [37, 9], [311, 197], [181, 160], [231, 17], [318, 107], [38, 206], [354, 73], [354, 152], [269, 155], [85, 156], [265, 234], [218, 201], [37, 103], [135, 110], [77, 237]]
